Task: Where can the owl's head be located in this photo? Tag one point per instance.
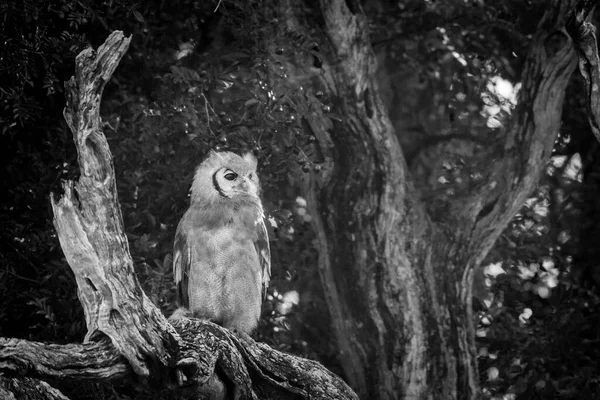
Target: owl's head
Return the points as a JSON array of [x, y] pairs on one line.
[[226, 175]]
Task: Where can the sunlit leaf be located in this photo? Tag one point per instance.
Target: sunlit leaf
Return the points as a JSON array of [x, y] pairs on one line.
[[138, 16]]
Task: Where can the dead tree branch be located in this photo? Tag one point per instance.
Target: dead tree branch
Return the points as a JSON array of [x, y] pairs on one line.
[[255, 370], [90, 229], [28, 388]]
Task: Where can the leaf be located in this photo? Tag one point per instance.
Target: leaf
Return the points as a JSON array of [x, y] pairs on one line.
[[168, 261], [260, 74], [327, 123], [138, 16], [291, 179], [251, 102], [225, 83]]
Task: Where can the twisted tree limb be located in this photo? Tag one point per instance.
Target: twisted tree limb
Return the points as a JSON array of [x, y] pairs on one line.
[[128, 339], [584, 39], [255, 370], [89, 361], [90, 228], [29, 388]]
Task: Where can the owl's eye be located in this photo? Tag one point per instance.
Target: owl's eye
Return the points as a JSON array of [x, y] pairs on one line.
[[230, 176], [250, 176]]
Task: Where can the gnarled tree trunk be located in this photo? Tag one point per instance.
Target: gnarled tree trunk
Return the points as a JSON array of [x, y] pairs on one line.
[[398, 285]]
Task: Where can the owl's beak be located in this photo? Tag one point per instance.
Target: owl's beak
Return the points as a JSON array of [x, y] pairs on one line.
[[245, 185]]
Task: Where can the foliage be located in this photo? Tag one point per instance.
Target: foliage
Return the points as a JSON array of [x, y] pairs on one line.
[[39, 40], [541, 296]]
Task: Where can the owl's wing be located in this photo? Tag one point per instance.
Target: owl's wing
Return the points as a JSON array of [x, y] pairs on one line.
[[264, 254], [181, 266]]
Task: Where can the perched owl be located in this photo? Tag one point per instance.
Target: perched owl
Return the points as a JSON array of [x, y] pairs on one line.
[[221, 256]]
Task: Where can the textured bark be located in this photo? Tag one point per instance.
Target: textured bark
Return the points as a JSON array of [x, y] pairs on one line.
[[253, 370], [90, 228], [584, 37], [89, 361], [27, 388], [128, 338], [256, 370], [398, 285]]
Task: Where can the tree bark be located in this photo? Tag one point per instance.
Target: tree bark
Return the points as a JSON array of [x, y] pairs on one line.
[[128, 337], [90, 229], [583, 35], [398, 285], [27, 388], [251, 370]]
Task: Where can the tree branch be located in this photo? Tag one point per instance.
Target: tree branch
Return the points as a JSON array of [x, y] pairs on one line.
[[98, 361], [90, 229], [584, 38], [28, 388], [529, 140], [254, 369]]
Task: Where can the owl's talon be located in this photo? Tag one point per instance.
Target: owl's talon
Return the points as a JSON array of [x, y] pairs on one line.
[[181, 378]]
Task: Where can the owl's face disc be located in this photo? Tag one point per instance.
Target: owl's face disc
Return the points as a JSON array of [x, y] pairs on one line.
[[235, 180], [226, 175]]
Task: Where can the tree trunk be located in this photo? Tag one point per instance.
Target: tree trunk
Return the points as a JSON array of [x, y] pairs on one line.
[[398, 285]]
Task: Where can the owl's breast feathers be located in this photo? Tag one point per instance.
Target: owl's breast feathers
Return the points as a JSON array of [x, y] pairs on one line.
[[246, 217]]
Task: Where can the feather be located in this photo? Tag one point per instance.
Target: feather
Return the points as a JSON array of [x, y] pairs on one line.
[[181, 266], [249, 157], [264, 254]]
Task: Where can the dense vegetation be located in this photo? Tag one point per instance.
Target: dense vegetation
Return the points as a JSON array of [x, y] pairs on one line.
[[203, 75]]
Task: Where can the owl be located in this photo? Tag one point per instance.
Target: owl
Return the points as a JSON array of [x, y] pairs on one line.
[[221, 256]]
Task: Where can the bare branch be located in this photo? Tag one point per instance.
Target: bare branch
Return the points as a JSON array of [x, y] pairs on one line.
[[577, 16], [254, 369], [584, 38], [90, 228], [92, 361], [529, 140], [28, 388], [257, 370]]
